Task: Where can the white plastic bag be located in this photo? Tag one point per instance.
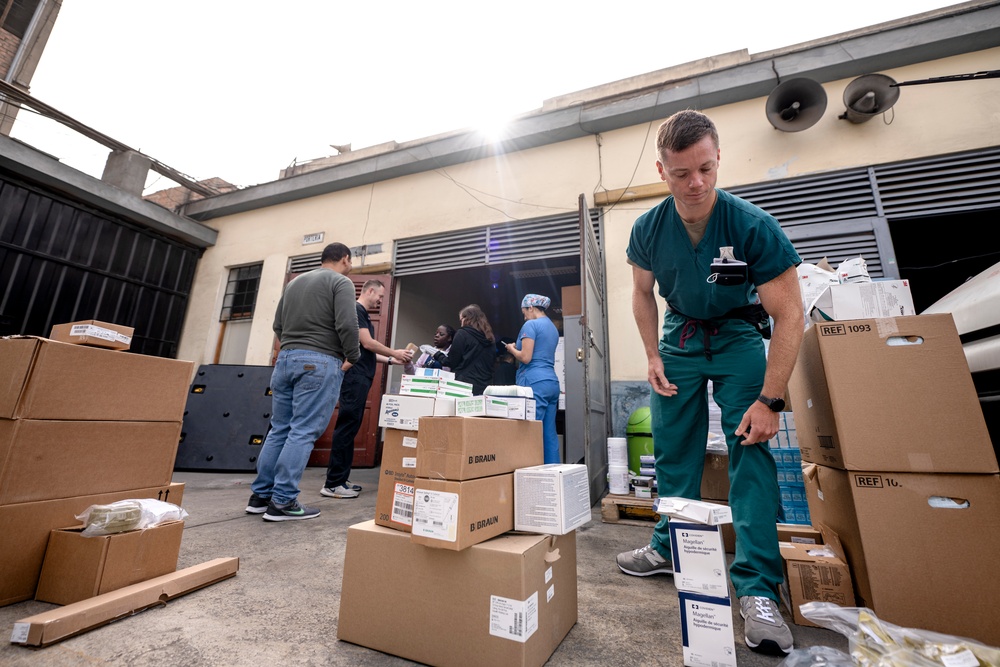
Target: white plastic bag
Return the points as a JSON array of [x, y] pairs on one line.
[[125, 515]]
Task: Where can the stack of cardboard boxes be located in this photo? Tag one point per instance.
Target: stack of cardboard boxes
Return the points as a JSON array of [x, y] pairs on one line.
[[463, 588], [898, 462], [79, 426]]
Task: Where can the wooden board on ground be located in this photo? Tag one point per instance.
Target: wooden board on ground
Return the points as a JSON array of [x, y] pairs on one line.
[[629, 510]]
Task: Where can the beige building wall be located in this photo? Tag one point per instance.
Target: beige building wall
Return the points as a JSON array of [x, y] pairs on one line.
[[927, 120]]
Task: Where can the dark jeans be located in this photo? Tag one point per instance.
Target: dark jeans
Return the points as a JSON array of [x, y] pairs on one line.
[[353, 394]]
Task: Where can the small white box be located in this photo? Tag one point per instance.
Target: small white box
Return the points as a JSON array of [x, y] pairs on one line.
[[862, 301], [699, 558], [432, 373], [403, 412], [520, 408], [444, 407], [552, 498], [707, 630], [481, 406], [695, 511]]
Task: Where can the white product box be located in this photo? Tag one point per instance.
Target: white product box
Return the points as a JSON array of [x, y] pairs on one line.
[[444, 407], [707, 630], [436, 384], [403, 412], [695, 511], [551, 498], [520, 408], [481, 406], [699, 558], [433, 373], [861, 301]]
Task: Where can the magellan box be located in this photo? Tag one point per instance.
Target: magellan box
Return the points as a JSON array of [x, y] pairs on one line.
[[460, 448], [707, 630], [699, 558], [94, 333], [45, 379], [44, 460], [507, 602], [815, 573], [921, 547], [394, 502], [551, 498], [78, 567], [26, 526], [891, 394], [456, 515], [862, 301], [404, 412]]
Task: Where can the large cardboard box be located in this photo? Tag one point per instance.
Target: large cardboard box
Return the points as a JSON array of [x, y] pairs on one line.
[[551, 498], [862, 301], [456, 515], [506, 602], [94, 333], [715, 477], [461, 448], [25, 528], [45, 379], [921, 547], [77, 567], [571, 301], [44, 460], [394, 501], [814, 573], [892, 394]]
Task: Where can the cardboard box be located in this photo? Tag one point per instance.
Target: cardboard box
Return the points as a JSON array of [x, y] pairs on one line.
[[862, 301], [707, 630], [456, 515], [26, 526], [892, 395], [44, 379], [715, 478], [814, 573], [74, 619], [482, 406], [921, 547], [553, 498], [94, 333], [506, 602], [699, 558], [403, 412], [77, 567], [460, 448], [798, 534], [694, 511], [571, 301], [45, 460], [394, 502]]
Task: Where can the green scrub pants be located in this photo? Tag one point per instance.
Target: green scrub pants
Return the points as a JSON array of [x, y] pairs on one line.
[[680, 433]]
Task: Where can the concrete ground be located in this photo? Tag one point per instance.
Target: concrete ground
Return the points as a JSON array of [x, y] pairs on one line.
[[282, 606]]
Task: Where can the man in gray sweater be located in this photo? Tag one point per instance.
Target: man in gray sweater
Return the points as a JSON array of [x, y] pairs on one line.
[[317, 325]]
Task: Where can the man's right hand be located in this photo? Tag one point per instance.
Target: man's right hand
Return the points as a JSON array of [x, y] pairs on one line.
[[658, 379], [346, 366], [403, 356]]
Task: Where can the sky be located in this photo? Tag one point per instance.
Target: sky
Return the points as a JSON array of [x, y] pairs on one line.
[[241, 89]]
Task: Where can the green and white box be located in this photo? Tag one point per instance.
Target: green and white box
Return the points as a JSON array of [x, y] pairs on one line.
[[481, 406]]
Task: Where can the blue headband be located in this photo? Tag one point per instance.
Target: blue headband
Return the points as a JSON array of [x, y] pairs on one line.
[[536, 301]]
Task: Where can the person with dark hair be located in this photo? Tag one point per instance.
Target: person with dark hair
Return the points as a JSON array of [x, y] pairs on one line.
[[443, 336], [317, 329], [716, 258], [354, 394], [473, 351], [535, 351]]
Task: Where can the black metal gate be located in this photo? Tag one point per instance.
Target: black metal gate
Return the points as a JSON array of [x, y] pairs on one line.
[[61, 261]]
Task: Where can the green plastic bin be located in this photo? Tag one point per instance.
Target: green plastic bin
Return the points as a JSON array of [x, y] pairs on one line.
[[639, 437]]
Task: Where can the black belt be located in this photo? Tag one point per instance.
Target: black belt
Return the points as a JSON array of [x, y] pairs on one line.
[[753, 313]]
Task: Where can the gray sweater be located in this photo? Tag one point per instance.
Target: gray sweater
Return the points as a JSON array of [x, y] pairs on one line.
[[317, 313]]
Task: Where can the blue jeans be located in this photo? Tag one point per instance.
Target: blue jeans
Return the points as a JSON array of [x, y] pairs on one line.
[[305, 386]]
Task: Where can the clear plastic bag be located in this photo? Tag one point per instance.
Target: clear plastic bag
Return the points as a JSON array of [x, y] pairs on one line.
[[126, 515], [817, 656], [876, 643]]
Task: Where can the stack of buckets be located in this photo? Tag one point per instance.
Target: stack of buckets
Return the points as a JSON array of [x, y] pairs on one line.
[[624, 453]]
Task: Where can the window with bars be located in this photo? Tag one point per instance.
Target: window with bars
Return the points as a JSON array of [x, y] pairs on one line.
[[15, 15], [241, 293]]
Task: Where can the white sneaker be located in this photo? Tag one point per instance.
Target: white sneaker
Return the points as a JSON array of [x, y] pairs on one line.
[[338, 492]]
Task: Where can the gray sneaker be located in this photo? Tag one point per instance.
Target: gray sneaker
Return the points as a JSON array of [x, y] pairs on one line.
[[764, 628], [643, 562], [338, 492]]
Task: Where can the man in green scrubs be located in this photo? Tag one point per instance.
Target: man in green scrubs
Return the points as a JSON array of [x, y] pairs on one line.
[[707, 336]]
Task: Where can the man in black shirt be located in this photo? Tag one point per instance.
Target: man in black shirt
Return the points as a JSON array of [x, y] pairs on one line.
[[354, 394]]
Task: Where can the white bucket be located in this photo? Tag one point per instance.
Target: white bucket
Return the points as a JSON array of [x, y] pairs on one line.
[[618, 452], [618, 479]]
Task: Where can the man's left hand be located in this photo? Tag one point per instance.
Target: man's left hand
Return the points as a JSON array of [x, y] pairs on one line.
[[759, 424]]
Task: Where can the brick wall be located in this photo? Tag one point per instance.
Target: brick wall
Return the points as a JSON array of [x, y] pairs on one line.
[[8, 48]]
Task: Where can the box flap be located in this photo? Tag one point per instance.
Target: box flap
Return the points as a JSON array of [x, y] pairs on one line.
[[16, 357]]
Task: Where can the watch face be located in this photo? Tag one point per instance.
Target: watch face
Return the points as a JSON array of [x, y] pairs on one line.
[[778, 404]]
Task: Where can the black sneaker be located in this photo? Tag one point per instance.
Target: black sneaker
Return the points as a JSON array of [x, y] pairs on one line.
[[257, 505], [292, 511]]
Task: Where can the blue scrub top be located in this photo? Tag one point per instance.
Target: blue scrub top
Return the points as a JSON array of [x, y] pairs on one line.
[[660, 243], [543, 356]]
